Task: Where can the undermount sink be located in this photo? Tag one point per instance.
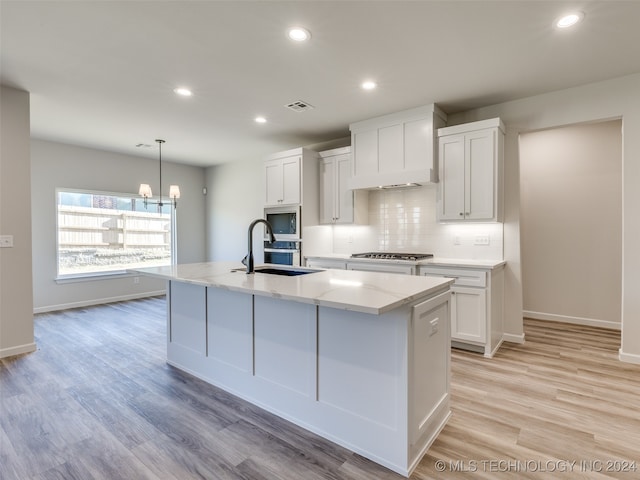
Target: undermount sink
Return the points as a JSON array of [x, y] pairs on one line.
[[287, 272]]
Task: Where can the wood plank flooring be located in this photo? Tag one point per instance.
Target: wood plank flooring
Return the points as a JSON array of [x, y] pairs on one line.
[[98, 401]]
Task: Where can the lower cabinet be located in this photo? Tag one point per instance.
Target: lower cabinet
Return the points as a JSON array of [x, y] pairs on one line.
[[477, 297], [469, 314], [321, 262], [382, 267]]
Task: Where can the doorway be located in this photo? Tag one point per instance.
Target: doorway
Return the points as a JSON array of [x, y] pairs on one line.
[[571, 223]]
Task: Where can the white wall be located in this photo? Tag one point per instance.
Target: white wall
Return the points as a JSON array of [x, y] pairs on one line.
[[16, 297], [616, 98], [571, 223], [55, 165]]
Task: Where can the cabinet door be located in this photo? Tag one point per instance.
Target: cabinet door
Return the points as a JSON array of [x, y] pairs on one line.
[[343, 195], [480, 148], [273, 182], [365, 149], [452, 178], [327, 190], [291, 180], [469, 314]]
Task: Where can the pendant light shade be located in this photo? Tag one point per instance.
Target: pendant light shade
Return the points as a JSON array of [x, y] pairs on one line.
[[145, 189]]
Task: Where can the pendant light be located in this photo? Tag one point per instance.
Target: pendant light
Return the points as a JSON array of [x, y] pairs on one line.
[[145, 188]]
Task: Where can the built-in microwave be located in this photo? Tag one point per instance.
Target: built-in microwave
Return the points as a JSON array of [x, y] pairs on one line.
[[285, 222]]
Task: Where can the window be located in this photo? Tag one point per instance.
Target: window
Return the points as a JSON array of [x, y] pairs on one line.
[[102, 233]]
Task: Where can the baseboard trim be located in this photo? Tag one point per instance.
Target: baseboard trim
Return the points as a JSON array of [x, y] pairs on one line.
[[513, 338], [97, 301], [591, 322], [17, 350], [628, 357]]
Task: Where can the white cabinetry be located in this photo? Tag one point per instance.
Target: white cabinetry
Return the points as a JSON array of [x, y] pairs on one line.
[[470, 163], [338, 203], [323, 262], [477, 297], [396, 149], [384, 267], [291, 178]]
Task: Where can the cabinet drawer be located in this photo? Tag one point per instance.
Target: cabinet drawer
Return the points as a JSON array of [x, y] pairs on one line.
[[462, 277]]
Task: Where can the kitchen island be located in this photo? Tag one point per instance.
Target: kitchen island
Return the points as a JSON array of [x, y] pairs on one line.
[[360, 358]]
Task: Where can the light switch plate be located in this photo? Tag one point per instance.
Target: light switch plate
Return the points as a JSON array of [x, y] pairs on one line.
[[6, 241]]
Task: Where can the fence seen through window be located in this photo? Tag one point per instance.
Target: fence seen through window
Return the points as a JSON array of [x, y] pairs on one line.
[[101, 232]]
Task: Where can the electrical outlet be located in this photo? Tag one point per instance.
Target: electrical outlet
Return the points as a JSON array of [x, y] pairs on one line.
[[6, 241], [136, 280], [456, 240], [481, 240]]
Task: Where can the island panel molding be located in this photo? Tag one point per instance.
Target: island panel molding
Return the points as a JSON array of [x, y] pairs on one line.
[[374, 381]]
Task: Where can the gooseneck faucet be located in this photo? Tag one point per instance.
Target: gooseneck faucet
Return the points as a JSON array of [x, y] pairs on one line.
[[272, 238]]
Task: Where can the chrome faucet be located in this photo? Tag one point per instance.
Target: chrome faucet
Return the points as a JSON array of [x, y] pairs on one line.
[[248, 260]]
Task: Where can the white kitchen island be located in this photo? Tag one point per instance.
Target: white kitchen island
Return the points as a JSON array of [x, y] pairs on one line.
[[360, 358]]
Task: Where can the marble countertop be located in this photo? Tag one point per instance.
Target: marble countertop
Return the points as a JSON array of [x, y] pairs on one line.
[[435, 261], [366, 292]]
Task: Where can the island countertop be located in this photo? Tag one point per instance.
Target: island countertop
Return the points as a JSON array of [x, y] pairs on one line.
[[366, 292]]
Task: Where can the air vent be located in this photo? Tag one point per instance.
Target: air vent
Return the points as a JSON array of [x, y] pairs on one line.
[[299, 106]]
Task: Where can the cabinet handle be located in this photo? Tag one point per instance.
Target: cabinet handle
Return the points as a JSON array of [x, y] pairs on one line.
[[461, 214]]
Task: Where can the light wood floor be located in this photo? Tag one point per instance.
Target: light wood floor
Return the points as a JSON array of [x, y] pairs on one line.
[[98, 401]]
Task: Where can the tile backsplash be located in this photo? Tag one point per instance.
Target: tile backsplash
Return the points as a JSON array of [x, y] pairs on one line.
[[404, 219]]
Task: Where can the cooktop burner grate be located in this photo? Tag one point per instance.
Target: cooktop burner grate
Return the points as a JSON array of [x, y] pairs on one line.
[[392, 256]]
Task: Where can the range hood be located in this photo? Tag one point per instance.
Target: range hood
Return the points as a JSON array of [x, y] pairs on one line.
[[395, 150]]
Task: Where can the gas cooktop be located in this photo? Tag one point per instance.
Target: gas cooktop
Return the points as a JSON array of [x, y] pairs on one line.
[[392, 256]]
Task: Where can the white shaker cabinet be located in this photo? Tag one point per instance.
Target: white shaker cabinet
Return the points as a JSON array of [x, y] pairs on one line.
[[282, 181], [396, 149], [477, 297], [470, 163], [338, 203], [291, 178], [382, 267]]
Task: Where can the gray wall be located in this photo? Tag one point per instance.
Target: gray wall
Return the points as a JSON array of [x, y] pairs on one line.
[[571, 223], [57, 165], [16, 298], [234, 198], [611, 99]]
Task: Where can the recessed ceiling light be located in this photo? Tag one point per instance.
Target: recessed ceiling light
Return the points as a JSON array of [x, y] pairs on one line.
[[299, 34], [260, 120], [185, 92], [369, 85], [569, 20]]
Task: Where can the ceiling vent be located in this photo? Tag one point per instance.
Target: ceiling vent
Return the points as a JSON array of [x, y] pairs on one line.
[[299, 106]]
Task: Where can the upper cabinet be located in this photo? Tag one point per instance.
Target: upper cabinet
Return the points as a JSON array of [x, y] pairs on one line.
[[291, 178], [338, 203], [470, 163], [396, 149], [282, 180]]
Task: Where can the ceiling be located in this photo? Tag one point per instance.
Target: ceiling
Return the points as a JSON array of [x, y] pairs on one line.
[[101, 73]]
